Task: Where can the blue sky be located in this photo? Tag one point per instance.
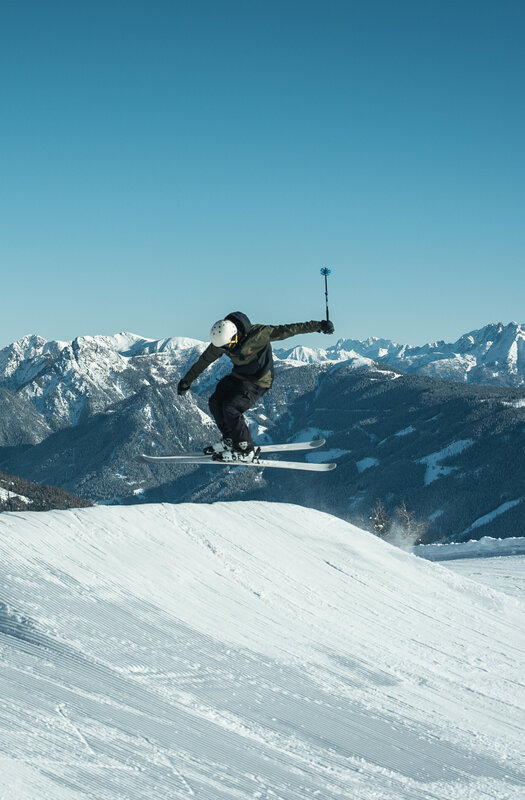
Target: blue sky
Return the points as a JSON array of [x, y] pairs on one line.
[[164, 163]]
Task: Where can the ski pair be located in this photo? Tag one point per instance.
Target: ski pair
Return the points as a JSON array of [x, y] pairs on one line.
[[199, 458], [264, 448]]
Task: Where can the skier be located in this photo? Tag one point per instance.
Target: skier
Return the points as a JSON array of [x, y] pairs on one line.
[[248, 346]]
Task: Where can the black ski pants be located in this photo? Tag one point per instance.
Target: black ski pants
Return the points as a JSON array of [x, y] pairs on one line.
[[228, 402]]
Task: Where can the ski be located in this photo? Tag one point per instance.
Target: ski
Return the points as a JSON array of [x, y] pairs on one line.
[[264, 448], [259, 462]]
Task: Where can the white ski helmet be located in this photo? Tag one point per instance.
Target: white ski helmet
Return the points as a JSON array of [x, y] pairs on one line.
[[223, 332]]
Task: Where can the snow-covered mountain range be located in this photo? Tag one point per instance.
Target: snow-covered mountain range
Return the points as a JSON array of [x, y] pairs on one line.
[[77, 414], [251, 650], [67, 381], [493, 355]]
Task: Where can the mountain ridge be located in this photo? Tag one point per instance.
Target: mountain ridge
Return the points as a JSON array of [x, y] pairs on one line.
[[492, 355], [84, 410]]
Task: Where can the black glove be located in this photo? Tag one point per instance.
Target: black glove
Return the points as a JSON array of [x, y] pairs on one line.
[[182, 387], [327, 326]]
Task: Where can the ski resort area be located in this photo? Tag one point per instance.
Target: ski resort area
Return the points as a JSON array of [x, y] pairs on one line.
[[262, 400], [250, 650]]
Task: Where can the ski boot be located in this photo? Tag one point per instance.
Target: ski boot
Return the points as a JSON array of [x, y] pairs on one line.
[[224, 446], [243, 453]]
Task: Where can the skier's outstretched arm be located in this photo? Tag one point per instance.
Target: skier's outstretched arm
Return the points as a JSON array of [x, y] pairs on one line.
[[210, 355], [278, 332]]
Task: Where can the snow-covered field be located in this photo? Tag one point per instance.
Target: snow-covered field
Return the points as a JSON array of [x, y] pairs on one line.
[[250, 650], [498, 563]]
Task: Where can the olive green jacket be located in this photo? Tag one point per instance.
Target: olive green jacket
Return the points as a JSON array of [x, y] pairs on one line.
[[249, 350]]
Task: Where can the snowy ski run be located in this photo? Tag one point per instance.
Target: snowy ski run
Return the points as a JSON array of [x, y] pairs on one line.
[[250, 650]]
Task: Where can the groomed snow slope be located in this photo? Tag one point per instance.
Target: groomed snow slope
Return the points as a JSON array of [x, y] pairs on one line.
[[248, 650]]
